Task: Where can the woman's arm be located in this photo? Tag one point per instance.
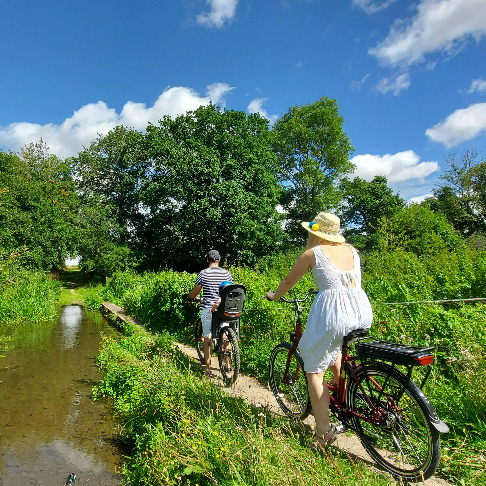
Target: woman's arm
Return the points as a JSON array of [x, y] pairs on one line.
[[305, 261]]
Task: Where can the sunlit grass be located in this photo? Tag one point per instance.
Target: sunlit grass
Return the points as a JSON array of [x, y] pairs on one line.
[[186, 430]]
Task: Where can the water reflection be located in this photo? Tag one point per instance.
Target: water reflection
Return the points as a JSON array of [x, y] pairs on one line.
[[49, 425], [70, 322]]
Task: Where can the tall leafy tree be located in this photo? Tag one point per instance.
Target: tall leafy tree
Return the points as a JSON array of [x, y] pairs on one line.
[[213, 185], [111, 172], [38, 207], [364, 204], [461, 195], [313, 154]]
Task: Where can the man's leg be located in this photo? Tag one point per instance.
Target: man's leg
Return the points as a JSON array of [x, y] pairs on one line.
[[207, 353], [206, 317]]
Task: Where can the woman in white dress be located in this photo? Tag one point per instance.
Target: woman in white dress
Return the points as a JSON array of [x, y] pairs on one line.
[[340, 307]]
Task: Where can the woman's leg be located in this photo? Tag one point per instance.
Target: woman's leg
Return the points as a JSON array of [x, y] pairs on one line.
[[336, 368], [319, 396]]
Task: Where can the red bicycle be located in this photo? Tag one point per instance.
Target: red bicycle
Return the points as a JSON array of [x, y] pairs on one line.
[[390, 414]]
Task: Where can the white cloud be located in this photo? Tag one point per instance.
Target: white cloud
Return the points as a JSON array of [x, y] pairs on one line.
[[477, 86], [356, 85], [419, 199], [94, 119], [371, 7], [221, 10], [256, 106], [397, 168], [464, 124], [394, 85], [439, 26]]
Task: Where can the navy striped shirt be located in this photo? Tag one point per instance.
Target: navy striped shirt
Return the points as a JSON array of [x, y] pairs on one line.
[[210, 279]]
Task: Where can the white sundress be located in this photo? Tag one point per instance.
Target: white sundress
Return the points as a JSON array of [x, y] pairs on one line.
[[337, 309]]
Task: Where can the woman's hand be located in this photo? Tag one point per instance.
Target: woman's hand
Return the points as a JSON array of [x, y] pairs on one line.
[[270, 295]]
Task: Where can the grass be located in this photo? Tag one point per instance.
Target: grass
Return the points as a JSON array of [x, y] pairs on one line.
[[185, 430], [76, 288]]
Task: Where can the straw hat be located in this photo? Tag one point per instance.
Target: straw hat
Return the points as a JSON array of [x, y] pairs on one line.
[[325, 226]]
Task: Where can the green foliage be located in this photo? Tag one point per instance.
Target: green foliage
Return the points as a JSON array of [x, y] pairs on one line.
[[213, 185], [457, 387], [203, 180], [38, 208], [364, 206], [461, 197], [417, 229], [26, 296], [313, 153], [185, 430]]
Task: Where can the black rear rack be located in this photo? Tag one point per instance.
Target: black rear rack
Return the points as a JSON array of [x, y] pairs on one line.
[[397, 354]]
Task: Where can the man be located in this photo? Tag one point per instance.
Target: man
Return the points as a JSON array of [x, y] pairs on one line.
[[209, 280]]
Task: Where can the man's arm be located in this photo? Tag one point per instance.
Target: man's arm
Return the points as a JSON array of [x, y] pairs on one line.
[[194, 292]]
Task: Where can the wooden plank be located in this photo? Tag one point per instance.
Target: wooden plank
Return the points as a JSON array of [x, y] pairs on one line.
[[119, 312]]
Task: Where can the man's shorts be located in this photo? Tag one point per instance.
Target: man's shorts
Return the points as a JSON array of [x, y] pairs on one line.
[[206, 318]]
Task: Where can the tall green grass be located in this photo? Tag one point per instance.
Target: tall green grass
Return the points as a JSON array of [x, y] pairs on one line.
[[457, 385], [185, 430], [27, 296]]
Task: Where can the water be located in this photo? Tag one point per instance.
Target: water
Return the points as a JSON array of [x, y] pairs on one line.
[[49, 425]]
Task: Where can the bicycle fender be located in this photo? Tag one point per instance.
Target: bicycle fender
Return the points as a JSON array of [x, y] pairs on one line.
[[435, 421], [440, 426]]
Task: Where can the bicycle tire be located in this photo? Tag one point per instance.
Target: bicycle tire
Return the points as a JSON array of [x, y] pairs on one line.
[[406, 444], [293, 396], [228, 336], [199, 340]]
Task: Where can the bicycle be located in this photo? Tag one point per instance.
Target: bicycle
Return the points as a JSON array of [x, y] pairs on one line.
[[225, 332], [390, 414]]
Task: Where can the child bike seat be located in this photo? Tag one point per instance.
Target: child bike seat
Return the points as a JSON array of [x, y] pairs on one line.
[[232, 302]]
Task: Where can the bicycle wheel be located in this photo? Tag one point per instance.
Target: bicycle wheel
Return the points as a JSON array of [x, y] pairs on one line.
[[228, 355], [399, 436], [290, 391], [199, 340]]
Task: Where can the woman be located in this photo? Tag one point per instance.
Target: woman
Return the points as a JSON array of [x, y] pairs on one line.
[[340, 307]]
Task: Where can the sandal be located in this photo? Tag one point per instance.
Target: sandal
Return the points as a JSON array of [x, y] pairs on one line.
[[328, 439]]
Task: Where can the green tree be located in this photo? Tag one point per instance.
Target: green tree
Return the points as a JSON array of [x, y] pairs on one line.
[[364, 204], [100, 249], [213, 185], [38, 208], [111, 172], [313, 154], [418, 229], [461, 197]]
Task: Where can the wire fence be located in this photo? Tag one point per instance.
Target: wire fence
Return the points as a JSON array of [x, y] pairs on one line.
[[445, 301]]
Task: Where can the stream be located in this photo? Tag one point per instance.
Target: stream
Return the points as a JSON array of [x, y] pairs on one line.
[[49, 424]]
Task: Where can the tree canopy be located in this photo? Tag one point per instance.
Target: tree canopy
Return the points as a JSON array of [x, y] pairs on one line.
[[461, 195], [363, 207], [313, 153], [206, 179], [38, 208]]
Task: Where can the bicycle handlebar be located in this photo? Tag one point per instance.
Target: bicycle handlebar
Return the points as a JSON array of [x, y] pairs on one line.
[[296, 301]]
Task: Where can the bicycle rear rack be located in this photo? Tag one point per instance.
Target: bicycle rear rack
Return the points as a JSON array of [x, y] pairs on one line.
[[371, 349]]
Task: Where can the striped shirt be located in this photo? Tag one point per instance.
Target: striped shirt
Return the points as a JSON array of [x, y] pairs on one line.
[[210, 279]]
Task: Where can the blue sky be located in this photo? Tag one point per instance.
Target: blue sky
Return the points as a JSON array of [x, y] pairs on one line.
[[409, 77]]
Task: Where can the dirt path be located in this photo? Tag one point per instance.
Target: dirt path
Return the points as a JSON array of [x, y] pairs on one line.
[[257, 394]]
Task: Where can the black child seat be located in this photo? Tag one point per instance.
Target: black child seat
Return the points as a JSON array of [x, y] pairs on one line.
[[231, 306]]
